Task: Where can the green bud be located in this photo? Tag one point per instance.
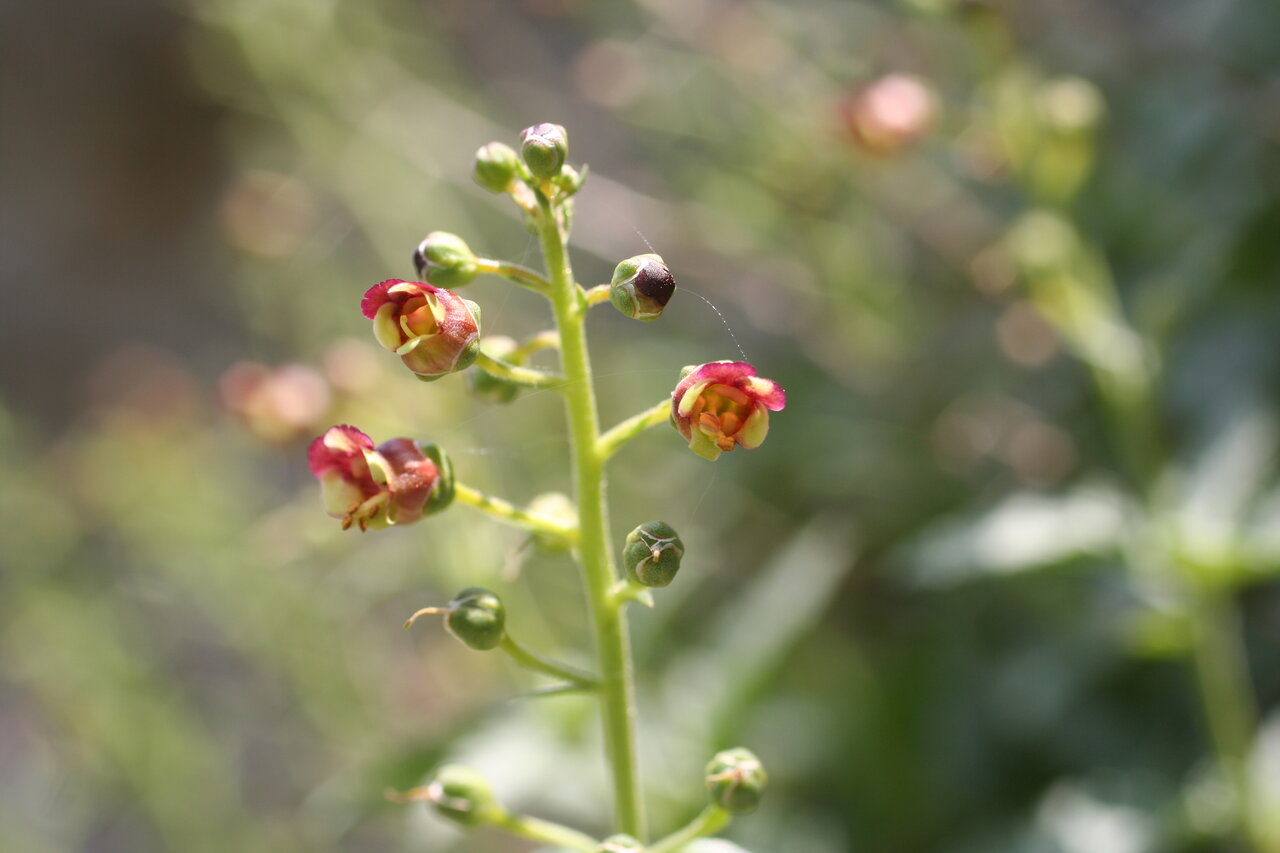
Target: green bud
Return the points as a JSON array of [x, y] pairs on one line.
[[445, 260], [476, 617], [486, 384], [544, 148], [642, 287], [496, 167], [462, 795], [620, 844], [652, 554], [570, 180], [736, 780]]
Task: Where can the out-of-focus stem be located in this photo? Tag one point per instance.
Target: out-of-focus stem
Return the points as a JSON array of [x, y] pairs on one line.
[[709, 822]]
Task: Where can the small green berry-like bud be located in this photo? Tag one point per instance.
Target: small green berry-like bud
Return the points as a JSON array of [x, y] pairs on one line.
[[642, 287], [485, 384], [736, 780], [544, 148], [461, 794], [652, 554], [445, 260], [476, 617], [496, 167], [620, 844]]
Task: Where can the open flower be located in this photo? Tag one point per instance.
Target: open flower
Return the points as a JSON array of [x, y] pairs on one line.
[[398, 482], [722, 404], [434, 331]]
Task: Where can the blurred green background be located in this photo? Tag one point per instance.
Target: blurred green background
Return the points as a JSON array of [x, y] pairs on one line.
[[1005, 576]]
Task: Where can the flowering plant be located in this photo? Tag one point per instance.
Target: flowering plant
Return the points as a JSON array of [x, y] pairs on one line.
[[716, 407]]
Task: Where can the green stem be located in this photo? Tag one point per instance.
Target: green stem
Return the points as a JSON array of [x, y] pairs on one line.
[[532, 660], [527, 376], [544, 832], [522, 276], [1222, 671], [509, 513], [598, 294], [712, 820], [613, 652], [612, 440]]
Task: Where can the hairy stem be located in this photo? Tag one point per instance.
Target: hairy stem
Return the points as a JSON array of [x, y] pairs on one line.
[[509, 513], [526, 376], [613, 652], [522, 276], [612, 440]]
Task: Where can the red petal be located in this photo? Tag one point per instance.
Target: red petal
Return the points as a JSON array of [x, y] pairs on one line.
[[377, 296], [767, 392], [321, 457]]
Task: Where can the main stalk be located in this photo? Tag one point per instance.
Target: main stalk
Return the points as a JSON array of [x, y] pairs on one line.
[[613, 647]]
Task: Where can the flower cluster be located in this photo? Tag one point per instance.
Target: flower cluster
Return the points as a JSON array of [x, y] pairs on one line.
[[716, 407]]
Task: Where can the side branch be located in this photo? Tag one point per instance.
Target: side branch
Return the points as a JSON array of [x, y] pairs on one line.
[[509, 513], [522, 276], [526, 376], [597, 294], [709, 822], [536, 662], [612, 440]]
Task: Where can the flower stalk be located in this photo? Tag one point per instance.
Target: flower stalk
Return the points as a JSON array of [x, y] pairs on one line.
[[613, 652]]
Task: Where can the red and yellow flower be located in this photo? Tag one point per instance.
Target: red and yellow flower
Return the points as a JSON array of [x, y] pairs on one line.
[[722, 405], [433, 330], [398, 482]]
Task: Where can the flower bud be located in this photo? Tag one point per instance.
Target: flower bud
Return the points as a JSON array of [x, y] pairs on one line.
[[642, 287], [485, 384], [620, 844], [434, 331], [398, 482], [722, 405], [544, 148], [476, 617], [570, 180], [445, 260], [496, 167], [462, 795], [736, 780], [652, 554]]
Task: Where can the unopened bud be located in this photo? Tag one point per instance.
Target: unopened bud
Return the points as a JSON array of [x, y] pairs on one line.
[[570, 179], [620, 844], [485, 384], [652, 554], [462, 795], [642, 287], [544, 148], [476, 617], [445, 260], [736, 780], [496, 167]]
